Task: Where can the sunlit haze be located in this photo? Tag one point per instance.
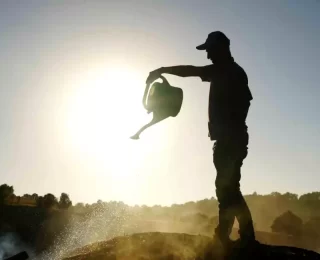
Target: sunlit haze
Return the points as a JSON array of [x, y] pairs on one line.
[[72, 78]]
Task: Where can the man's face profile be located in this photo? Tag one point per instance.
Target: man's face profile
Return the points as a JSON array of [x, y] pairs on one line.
[[215, 52], [211, 54]]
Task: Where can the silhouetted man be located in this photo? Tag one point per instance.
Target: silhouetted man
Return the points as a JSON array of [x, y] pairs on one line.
[[229, 101]]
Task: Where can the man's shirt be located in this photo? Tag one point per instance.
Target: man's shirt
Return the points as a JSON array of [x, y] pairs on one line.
[[229, 98]]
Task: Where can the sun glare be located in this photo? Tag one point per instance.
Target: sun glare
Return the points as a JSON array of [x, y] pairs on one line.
[[104, 111]]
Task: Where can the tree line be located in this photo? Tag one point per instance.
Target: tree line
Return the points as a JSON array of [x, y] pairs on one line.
[[286, 213], [8, 197]]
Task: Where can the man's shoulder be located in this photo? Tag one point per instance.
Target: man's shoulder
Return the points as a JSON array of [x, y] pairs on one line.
[[234, 71], [213, 68]]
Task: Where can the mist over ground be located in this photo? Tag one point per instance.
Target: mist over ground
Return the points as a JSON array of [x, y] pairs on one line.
[[50, 233]]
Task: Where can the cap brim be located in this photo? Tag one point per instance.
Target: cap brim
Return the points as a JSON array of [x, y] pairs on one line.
[[201, 47]]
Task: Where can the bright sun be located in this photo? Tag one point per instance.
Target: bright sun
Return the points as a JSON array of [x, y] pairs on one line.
[[104, 110]]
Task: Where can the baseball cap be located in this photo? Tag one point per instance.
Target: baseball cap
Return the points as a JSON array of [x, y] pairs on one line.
[[214, 38]]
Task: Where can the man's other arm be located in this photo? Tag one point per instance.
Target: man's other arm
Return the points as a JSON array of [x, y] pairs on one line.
[[180, 71]]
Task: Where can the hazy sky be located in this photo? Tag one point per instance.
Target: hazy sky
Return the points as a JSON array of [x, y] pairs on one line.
[[72, 77]]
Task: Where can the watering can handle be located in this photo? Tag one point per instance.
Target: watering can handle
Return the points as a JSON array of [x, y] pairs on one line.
[[145, 96], [147, 90], [164, 80]]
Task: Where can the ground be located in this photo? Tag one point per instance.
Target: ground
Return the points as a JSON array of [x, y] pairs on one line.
[[173, 246]]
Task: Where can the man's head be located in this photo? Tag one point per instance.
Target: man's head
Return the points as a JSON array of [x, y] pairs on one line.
[[217, 46]]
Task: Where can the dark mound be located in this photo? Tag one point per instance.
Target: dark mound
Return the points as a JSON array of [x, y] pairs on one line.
[[174, 246]]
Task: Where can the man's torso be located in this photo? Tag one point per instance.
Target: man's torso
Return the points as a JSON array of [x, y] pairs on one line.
[[229, 99]]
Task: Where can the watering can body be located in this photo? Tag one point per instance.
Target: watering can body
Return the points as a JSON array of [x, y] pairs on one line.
[[163, 100]]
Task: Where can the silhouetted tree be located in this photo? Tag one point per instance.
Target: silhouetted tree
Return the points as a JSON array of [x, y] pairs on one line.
[[287, 223], [64, 202], [27, 196], [311, 200], [40, 202], [5, 192], [79, 205], [35, 196], [290, 196], [275, 194], [313, 196], [49, 200], [10, 199]]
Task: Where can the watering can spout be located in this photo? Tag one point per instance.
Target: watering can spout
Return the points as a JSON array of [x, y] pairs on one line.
[[161, 99], [154, 120]]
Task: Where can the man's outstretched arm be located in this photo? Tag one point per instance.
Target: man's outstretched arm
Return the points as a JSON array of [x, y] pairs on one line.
[[180, 71]]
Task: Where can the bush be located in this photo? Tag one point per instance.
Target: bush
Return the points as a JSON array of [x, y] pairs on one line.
[[288, 223]]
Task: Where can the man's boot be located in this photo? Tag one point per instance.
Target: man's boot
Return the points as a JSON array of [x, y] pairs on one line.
[[246, 246], [223, 244]]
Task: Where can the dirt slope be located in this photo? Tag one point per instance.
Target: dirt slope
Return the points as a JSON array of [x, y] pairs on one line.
[[156, 246]]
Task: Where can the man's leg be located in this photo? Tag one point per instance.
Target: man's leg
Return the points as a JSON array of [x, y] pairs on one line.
[[228, 158], [226, 214], [226, 217], [243, 214]]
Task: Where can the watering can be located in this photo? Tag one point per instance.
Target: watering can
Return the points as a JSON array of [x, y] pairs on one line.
[[163, 100]]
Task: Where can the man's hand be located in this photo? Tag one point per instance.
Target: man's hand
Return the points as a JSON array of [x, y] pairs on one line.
[[153, 75]]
